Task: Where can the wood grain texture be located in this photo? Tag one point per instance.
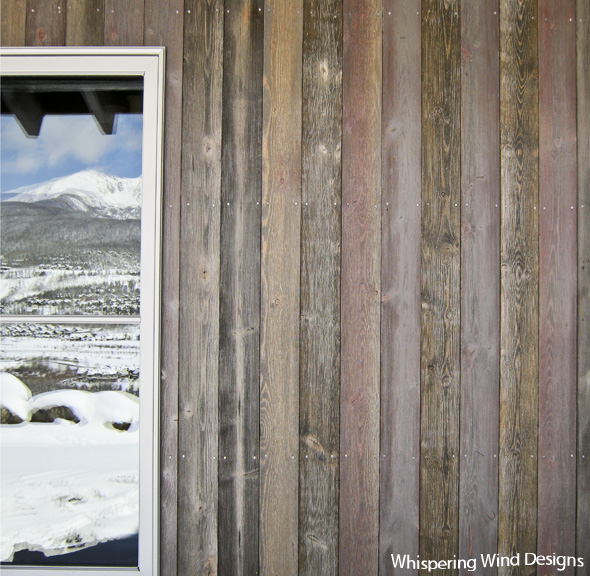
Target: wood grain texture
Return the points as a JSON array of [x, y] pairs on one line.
[[557, 281], [519, 364], [124, 22], [199, 288], [239, 353], [583, 126], [319, 406], [360, 288], [280, 260], [13, 17], [46, 23], [164, 27], [400, 281], [441, 280], [480, 280], [85, 23]]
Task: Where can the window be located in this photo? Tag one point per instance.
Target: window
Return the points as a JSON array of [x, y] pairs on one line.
[[79, 304]]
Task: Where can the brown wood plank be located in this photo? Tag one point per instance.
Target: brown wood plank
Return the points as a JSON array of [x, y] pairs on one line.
[[280, 260], [400, 280], [557, 281], [124, 22], [85, 23], [13, 17], [164, 27], [46, 23], [519, 341], [441, 280], [480, 280], [583, 119], [199, 288], [239, 373], [320, 288], [360, 288]]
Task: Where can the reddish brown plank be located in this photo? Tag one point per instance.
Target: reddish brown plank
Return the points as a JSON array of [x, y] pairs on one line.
[[320, 289], [124, 22], [198, 381], [85, 23], [400, 281], [519, 341], [163, 27], [13, 16], [360, 288], [557, 279], [280, 304], [583, 119], [46, 23], [480, 280], [440, 281]]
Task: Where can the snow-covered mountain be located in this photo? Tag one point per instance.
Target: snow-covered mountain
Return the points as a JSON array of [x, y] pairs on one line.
[[86, 191]]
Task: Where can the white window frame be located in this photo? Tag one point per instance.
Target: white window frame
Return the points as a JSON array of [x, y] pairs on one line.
[[124, 62]]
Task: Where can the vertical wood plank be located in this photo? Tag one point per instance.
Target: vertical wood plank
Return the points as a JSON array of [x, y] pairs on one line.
[[239, 373], [46, 23], [199, 287], [13, 22], [85, 23], [400, 280], [441, 281], [280, 261], [517, 524], [164, 27], [320, 288], [557, 281], [124, 22], [583, 119], [480, 280], [360, 288]]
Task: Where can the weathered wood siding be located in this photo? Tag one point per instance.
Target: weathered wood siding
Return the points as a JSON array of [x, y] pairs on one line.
[[376, 283]]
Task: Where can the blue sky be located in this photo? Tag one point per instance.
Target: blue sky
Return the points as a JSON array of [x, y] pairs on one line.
[[65, 145]]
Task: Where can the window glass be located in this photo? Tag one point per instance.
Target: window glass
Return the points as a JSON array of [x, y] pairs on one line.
[[71, 205]]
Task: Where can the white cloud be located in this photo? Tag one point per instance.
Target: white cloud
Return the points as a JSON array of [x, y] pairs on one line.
[[66, 140]]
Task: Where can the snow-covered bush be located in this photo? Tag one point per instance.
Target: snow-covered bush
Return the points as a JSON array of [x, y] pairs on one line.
[[14, 399]]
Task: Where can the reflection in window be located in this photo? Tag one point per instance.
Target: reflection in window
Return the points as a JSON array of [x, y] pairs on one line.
[[71, 203]]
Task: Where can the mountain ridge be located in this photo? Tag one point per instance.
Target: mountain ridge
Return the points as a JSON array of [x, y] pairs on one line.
[[86, 191]]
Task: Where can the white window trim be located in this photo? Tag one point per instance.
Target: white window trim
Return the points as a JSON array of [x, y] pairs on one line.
[[149, 63]]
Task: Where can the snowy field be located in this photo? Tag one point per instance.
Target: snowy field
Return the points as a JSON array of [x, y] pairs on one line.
[[70, 459]]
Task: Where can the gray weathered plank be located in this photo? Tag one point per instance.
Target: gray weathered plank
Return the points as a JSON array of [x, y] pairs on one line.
[[360, 288], [164, 27], [199, 288], [400, 281], [519, 341], [239, 352], [280, 260], [583, 119], [320, 288], [556, 516], [480, 280], [440, 280], [85, 22]]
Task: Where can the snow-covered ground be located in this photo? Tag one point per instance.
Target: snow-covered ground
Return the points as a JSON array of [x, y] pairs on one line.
[[66, 486]]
